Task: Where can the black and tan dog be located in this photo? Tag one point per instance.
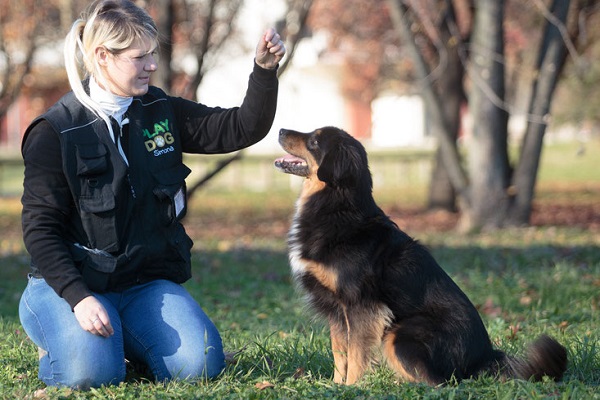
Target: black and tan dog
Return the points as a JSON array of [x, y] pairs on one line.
[[379, 287]]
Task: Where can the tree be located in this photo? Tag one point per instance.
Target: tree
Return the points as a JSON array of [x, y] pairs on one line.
[[496, 196], [19, 26], [197, 30], [486, 202], [579, 92], [458, 52], [549, 65], [447, 155]]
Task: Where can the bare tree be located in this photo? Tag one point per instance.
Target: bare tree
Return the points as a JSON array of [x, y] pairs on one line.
[[293, 28], [448, 151], [195, 30], [19, 26], [550, 62], [490, 194]]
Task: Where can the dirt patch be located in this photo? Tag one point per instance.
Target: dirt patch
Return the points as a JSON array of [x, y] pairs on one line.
[[585, 216], [236, 226]]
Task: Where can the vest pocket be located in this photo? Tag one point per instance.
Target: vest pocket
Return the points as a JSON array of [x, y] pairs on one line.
[[96, 266], [98, 218], [170, 191], [91, 159]]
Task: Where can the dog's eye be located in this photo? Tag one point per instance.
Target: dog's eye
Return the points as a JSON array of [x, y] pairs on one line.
[[313, 143]]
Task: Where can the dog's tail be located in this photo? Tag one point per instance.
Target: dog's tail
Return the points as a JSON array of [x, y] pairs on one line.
[[544, 357]]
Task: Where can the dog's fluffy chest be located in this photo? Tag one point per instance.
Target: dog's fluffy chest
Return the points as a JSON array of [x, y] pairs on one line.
[[297, 262], [308, 271]]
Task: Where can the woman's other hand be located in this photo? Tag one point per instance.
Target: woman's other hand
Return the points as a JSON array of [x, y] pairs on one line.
[[92, 317]]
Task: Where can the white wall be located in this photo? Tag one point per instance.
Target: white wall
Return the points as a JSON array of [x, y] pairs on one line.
[[398, 121]]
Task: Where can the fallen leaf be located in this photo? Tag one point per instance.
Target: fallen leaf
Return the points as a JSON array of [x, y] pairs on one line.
[[525, 300], [563, 325], [299, 373], [514, 329], [264, 385], [490, 309]]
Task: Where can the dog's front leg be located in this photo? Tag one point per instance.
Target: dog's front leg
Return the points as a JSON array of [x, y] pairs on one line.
[[361, 338], [339, 347], [358, 361]]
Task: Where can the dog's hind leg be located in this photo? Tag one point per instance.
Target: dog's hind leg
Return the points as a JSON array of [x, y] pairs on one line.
[[410, 360], [339, 347]]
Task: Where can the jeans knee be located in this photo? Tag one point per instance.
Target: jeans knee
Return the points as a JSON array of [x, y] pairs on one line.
[[193, 365], [80, 375], [214, 364]]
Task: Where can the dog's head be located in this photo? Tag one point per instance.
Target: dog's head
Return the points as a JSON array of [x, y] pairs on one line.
[[329, 154]]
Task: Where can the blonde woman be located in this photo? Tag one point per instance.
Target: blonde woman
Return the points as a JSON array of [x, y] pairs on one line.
[[104, 192]]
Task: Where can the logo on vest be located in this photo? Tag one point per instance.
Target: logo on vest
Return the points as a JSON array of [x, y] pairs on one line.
[[160, 140]]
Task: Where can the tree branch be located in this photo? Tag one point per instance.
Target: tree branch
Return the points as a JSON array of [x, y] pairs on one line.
[[451, 158], [220, 166]]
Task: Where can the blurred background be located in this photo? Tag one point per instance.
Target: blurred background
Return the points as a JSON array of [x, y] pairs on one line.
[[465, 106]]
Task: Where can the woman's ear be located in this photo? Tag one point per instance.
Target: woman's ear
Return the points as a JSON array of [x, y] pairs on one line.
[[101, 55]]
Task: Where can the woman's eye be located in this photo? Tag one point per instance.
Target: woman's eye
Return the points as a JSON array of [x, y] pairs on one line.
[[144, 56]]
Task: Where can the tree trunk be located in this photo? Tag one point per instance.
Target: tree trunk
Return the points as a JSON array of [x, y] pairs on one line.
[[441, 194], [549, 66], [448, 150], [448, 87], [164, 21], [488, 163]]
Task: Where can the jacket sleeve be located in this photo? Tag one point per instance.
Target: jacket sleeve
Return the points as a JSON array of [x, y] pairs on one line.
[[211, 130], [47, 207]]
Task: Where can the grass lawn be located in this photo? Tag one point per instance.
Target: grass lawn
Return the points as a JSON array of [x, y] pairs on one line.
[[524, 281]]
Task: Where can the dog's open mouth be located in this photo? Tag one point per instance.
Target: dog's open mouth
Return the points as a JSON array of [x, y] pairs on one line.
[[292, 165]]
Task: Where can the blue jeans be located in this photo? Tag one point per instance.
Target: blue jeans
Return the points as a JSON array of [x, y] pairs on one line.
[[157, 323]]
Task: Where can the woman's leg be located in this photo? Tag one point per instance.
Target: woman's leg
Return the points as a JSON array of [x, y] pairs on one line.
[[69, 355], [164, 327]]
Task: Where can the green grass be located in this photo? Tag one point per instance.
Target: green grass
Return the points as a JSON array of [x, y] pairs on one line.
[[570, 162], [524, 281]]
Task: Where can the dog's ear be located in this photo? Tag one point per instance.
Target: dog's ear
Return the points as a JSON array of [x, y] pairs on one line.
[[340, 166]]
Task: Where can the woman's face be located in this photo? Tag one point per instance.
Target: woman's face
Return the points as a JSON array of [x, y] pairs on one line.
[[128, 73]]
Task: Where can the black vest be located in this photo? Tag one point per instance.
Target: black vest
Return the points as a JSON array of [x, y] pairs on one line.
[[130, 214]]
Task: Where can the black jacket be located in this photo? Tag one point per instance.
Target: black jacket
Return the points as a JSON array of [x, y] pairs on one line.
[[90, 222]]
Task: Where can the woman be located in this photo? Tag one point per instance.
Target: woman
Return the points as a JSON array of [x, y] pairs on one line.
[[104, 191]]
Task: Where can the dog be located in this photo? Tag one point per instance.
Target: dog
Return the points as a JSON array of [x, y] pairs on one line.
[[376, 286]]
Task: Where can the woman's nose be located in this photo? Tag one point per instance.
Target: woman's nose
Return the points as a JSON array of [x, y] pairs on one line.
[[151, 64]]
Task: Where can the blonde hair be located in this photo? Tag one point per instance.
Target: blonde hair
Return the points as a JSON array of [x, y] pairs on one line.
[[112, 24]]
